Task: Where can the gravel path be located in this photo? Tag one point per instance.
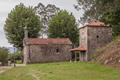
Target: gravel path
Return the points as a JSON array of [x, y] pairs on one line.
[[4, 68]]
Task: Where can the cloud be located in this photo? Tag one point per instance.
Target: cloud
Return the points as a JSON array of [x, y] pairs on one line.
[[3, 40], [1, 26]]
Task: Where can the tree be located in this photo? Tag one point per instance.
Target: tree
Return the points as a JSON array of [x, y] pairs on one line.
[[63, 25], [3, 55], [19, 18], [46, 13], [102, 10], [93, 9]]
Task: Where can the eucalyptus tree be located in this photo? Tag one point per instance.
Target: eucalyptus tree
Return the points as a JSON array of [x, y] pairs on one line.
[[46, 13]]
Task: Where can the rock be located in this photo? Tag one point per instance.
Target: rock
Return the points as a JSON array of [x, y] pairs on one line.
[[119, 61], [106, 61]]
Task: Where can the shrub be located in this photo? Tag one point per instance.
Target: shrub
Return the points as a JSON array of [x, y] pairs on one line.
[[15, 56], [3, 56]]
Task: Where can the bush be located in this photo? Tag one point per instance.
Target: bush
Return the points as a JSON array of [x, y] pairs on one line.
[[3, 56], [15, 56]]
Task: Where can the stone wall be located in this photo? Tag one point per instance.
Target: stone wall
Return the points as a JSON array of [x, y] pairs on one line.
[[25, 54], [84, 42], [98, 37], [83, 37], [48, 53]]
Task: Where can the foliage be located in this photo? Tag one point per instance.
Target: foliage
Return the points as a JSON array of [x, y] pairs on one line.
[[19, 18], [3, 55], [15, 56], [46, 13], [63, 25], [61, 71], [102, 10]]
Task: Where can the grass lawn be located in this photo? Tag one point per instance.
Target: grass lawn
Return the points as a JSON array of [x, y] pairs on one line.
[[61, 71]]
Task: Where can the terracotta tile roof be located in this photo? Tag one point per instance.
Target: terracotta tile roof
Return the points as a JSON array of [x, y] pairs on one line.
[[38, 41], [95, 23], [78, 49]]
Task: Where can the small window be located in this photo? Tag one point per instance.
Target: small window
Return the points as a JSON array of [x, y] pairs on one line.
[[57, 50], [97, 36]]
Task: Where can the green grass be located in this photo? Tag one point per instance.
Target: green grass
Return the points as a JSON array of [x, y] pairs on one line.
[[61, 71]]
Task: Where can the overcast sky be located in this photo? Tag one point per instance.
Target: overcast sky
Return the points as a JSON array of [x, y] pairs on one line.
[[7, 5]]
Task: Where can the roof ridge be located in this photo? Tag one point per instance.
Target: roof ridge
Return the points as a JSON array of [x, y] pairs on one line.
[[48, 41]]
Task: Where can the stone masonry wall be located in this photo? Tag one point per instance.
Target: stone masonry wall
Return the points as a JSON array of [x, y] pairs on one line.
[[25, 54], [98, 37], [83, 37], [49, 53]]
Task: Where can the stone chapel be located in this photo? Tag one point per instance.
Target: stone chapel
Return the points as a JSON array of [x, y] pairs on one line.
[[41, 50]]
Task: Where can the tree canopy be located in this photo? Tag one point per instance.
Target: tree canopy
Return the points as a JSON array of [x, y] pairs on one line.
[[19, 18], [104, 10], [63, 25]]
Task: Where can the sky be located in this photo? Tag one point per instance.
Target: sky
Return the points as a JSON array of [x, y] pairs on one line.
[[7, 5]]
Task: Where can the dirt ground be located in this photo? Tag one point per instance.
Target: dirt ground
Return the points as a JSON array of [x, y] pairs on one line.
[[109, 54], [4, 68]]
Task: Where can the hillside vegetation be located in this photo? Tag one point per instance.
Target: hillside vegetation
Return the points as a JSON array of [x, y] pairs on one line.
[[109, 54], [61, 71]]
